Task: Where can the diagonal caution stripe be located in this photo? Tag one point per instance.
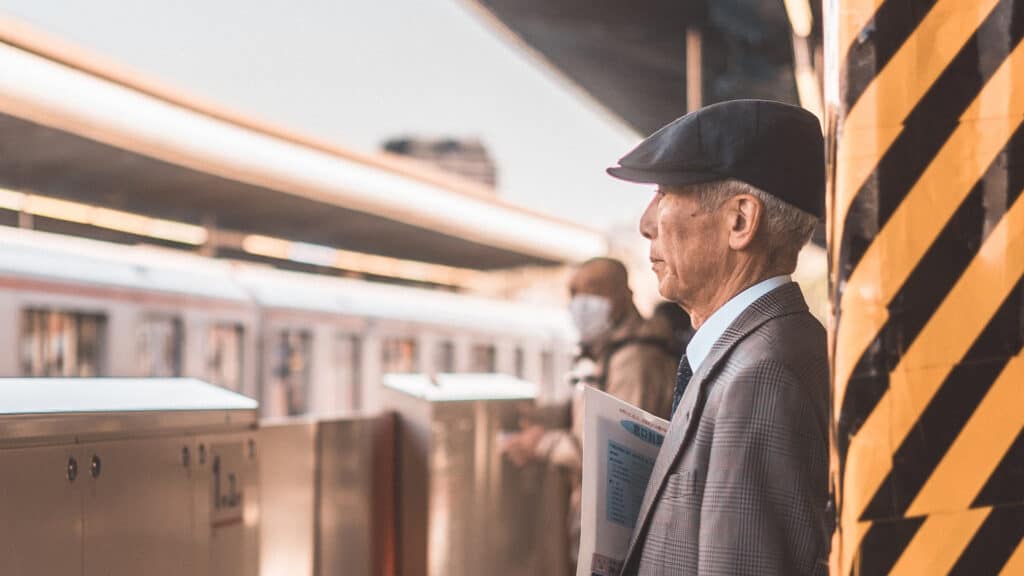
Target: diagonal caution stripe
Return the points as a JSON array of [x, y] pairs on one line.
[[994, 543], [875, 122], [877, 41], [884, 542], [1006, 484], [978, 449], [948, 335], [948, 411], [964, 314], [1015, 565], [962, 474], [926, 129], [922, 293], [939, 543], [891, 258], [854, 15]]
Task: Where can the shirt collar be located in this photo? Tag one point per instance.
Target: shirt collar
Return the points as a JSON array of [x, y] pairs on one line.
[[716, 324]]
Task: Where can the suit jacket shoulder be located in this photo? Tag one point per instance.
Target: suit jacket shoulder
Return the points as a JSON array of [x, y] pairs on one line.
[[795, 342]]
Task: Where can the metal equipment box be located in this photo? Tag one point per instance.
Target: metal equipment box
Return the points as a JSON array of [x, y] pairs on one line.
[[119, 477], [328, 491], [463, 508]]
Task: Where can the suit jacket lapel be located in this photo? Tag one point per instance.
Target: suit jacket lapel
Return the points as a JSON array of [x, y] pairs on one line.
[[786, 299]]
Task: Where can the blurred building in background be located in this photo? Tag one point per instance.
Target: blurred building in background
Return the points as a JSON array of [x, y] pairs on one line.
[[467, 158]]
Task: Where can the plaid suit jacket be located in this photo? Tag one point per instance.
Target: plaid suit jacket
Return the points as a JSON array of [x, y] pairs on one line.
[[740, 483]]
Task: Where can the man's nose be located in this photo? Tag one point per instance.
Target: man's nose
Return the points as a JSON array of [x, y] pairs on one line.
[[649, 220]]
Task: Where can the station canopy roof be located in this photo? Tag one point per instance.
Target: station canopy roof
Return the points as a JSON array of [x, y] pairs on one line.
[[631, 56], [74, 128]]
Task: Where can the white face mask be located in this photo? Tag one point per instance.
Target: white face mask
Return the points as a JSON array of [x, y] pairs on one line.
[[592, 316]]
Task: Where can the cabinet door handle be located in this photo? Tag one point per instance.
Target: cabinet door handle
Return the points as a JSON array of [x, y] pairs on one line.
[[72, 470], [95, 467]]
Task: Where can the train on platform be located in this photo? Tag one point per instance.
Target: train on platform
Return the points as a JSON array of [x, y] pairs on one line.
[[300, 343], [314, 482]]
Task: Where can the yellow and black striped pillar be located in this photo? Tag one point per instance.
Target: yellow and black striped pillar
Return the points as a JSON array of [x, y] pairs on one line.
[[926, 240]]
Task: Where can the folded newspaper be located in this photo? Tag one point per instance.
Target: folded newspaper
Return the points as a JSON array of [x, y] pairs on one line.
[[620, 445]]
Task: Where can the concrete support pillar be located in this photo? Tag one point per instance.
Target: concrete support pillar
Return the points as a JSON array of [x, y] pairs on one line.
[[926, 238]]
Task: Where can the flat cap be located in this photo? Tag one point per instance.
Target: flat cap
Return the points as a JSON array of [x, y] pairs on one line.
[[772, 146]]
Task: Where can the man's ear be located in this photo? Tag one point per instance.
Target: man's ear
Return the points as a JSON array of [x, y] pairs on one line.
[[744, 218]]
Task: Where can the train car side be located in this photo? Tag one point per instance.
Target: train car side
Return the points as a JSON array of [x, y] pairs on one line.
[[300, 343]]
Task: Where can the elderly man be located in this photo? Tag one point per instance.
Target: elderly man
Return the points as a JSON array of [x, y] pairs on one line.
[[620, 353], [740, 483]]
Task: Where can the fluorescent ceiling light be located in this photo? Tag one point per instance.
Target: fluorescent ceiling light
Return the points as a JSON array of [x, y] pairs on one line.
[[69, 211], [11, 200], [266, 246], [57, 209], [359, 262], [256, 244], [800, 17], [807, 85]]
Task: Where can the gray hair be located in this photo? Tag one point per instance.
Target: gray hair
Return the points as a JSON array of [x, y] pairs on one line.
[[787, 228]]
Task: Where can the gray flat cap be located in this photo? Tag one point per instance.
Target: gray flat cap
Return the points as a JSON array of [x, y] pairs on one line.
[[770, 145]]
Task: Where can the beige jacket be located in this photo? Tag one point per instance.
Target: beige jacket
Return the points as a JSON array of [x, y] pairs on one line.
[[635, 366]]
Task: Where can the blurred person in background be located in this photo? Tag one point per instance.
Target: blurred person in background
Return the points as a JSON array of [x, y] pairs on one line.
[[621, 353], [671, 318], [677, 322]]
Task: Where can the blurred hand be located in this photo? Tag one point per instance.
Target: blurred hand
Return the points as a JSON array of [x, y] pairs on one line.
[[521, 447]]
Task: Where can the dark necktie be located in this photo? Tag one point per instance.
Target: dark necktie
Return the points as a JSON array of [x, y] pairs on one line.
[[682, 379]]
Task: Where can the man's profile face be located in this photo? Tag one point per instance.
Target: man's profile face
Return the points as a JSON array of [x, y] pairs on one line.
[[688, 245]]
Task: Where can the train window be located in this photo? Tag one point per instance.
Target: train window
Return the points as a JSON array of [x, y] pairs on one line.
[[292, 358], [444, 360], [483, 359], [399, 355], [348, 369], [224, 355], [547, 370], [159, 346], [520, 363], [60, 343]]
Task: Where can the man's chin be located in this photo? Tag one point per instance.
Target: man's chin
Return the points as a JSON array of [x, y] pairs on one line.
[[665, 289]]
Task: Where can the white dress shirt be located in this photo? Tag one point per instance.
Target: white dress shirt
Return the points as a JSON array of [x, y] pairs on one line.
[[713, 328]]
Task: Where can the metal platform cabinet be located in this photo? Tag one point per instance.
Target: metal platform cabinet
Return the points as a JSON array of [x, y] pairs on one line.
[[111, 477], [463, 508], [328, 492]]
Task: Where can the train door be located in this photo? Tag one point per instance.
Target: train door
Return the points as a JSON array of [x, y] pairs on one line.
[[337, 370], [348, 370], [287, 370], [159, 343], [224, 354]]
